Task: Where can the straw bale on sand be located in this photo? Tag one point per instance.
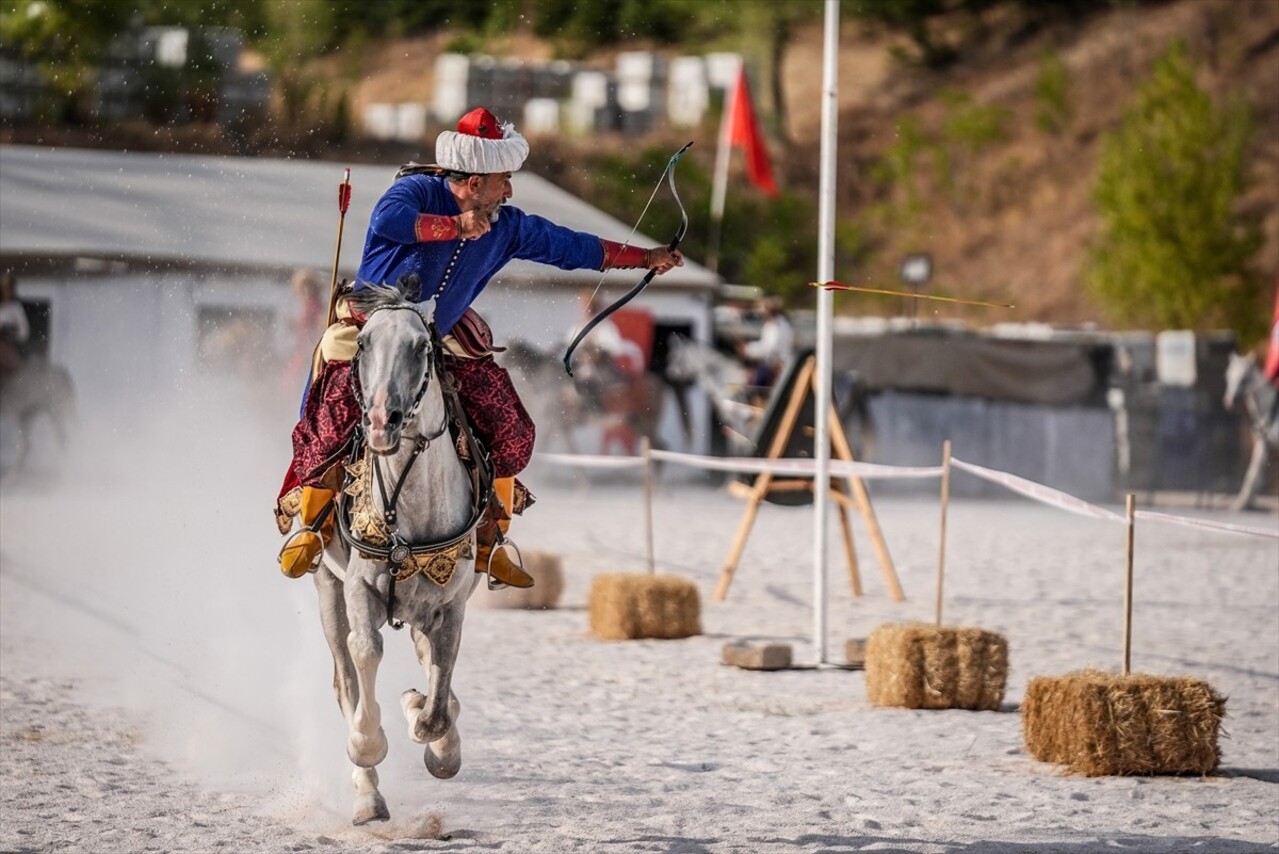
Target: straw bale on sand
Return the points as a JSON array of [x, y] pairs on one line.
[[544, 595], [1099, 723], [627, 607], [921, 666]]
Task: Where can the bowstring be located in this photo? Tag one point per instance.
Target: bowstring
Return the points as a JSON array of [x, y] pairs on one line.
[[626, 243]]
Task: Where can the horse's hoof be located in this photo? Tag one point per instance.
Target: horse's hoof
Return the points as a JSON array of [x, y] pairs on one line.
[[370, 807], [366, 751], [443, 758], [426, 730], [412, 702]]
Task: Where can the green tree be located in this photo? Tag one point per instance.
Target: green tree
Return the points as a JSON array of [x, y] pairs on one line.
[[1052, 95], [1173, 251]]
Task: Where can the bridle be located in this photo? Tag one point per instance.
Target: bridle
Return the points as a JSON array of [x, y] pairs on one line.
[[431, 360], [398, 550]]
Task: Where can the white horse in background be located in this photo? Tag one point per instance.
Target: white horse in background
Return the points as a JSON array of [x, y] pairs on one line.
[[432, 501], [1245, 382], [723, 379]]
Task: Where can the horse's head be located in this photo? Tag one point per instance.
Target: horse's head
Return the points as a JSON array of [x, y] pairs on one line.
[[393, 362], [1237, 373], [681, 360]]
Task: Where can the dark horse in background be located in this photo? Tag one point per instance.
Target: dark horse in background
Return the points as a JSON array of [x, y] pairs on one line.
[[37, 387]]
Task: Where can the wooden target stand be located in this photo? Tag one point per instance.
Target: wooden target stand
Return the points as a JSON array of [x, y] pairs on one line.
[[847, 492]]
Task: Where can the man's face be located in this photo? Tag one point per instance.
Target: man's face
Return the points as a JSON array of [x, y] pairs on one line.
[[492, 191]]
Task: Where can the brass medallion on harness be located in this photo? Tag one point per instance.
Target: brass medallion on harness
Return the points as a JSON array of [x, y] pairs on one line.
[[369, 525]]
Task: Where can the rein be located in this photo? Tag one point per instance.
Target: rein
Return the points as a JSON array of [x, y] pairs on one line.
[[399, 551]]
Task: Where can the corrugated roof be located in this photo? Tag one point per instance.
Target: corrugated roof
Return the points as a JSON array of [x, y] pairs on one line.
[[198, 210]]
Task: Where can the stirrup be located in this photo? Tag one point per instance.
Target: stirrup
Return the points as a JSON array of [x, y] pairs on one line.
[[502, 543], [295, 547]]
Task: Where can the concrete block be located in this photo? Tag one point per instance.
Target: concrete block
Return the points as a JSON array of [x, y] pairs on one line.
[[757, 655]]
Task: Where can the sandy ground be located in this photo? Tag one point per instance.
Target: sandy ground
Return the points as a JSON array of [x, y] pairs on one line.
[[163, 688]]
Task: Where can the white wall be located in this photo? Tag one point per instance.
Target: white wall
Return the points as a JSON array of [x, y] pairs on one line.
[[135, 336]]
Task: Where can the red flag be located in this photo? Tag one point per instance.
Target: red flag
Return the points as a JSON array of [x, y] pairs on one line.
[[745, 134]]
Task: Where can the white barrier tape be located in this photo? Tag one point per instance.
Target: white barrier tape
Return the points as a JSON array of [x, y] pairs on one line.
[[802, 467], [808, 468], [843, 468], [1192, 522], [1039, 492], [587, 461]]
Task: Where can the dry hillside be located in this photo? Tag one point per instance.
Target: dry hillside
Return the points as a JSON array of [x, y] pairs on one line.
[[1023, 233], [1018, 229]]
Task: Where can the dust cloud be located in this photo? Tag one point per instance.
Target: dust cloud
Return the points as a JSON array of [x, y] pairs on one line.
[[140, 562]]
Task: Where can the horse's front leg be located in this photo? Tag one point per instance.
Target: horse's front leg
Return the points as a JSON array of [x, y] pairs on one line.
[[366, 743], [432, 718], [336, 630], [1252, 479]]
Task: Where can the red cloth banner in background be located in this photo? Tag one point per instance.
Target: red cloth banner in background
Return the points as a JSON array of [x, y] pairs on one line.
[[745, 134]]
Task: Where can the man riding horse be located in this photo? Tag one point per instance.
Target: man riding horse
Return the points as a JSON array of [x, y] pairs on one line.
[[444, 224]]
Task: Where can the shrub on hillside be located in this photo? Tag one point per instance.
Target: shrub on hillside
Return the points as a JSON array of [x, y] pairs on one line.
[[1173, 251]]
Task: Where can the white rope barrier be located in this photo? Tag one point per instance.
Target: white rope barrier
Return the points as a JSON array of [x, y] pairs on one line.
[[587, 461], [1070, 503], [843, 468], [1192, 522], [1039, 492], [808, 468]]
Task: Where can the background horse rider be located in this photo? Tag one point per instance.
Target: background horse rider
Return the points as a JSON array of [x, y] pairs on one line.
[[15, 330], [769, 354]]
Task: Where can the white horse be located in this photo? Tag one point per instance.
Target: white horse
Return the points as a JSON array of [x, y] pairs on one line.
[[1244, 381], [418, 492], [722, 378]]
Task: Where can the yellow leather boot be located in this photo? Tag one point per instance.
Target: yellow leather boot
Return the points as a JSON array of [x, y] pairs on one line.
[[491, 534], [301, 551]]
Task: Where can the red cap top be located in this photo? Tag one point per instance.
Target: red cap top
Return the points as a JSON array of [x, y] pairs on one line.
[[480, 122]]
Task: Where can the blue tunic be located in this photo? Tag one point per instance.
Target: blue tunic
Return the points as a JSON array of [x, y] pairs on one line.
[[392, 250]]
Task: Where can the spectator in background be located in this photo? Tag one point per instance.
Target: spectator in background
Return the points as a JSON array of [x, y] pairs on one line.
[[308, 289], [769, 355], [15, 330]]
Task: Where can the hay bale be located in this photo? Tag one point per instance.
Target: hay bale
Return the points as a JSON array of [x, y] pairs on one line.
[[757, 655], [1099, 723], [544, 595], [919, 666], [625, 607]]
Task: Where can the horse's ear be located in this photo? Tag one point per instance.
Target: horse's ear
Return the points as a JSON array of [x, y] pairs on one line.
[[409, 285]]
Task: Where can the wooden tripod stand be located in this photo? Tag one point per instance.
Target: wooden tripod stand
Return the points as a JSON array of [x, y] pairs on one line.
[[849, 492]]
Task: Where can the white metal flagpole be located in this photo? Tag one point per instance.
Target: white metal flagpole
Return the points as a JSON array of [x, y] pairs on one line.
[[719, 186], [825, 301]]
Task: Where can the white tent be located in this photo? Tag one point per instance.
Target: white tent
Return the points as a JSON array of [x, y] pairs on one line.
[[111, 243]]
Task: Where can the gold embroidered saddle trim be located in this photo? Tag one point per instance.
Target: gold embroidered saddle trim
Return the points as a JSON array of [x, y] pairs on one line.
[[369, 526]]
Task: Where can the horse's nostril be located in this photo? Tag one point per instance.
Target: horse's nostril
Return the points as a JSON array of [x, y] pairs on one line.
[[394, 417]]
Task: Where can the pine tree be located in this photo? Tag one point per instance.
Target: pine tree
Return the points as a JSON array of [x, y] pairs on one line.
[[1173, 251]]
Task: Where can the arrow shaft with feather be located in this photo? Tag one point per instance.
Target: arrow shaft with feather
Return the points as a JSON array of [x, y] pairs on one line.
[[669, 174], [344, 202], [840, 286]]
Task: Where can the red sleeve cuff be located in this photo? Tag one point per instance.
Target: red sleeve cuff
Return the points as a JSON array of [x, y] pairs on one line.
[[620, 257], [430, 228]]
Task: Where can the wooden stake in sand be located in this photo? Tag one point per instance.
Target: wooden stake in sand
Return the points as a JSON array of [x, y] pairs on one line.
[[1128, 588], [647, 447], [945, 500]]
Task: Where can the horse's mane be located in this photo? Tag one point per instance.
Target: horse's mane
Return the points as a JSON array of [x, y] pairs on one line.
[[370, 298]]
